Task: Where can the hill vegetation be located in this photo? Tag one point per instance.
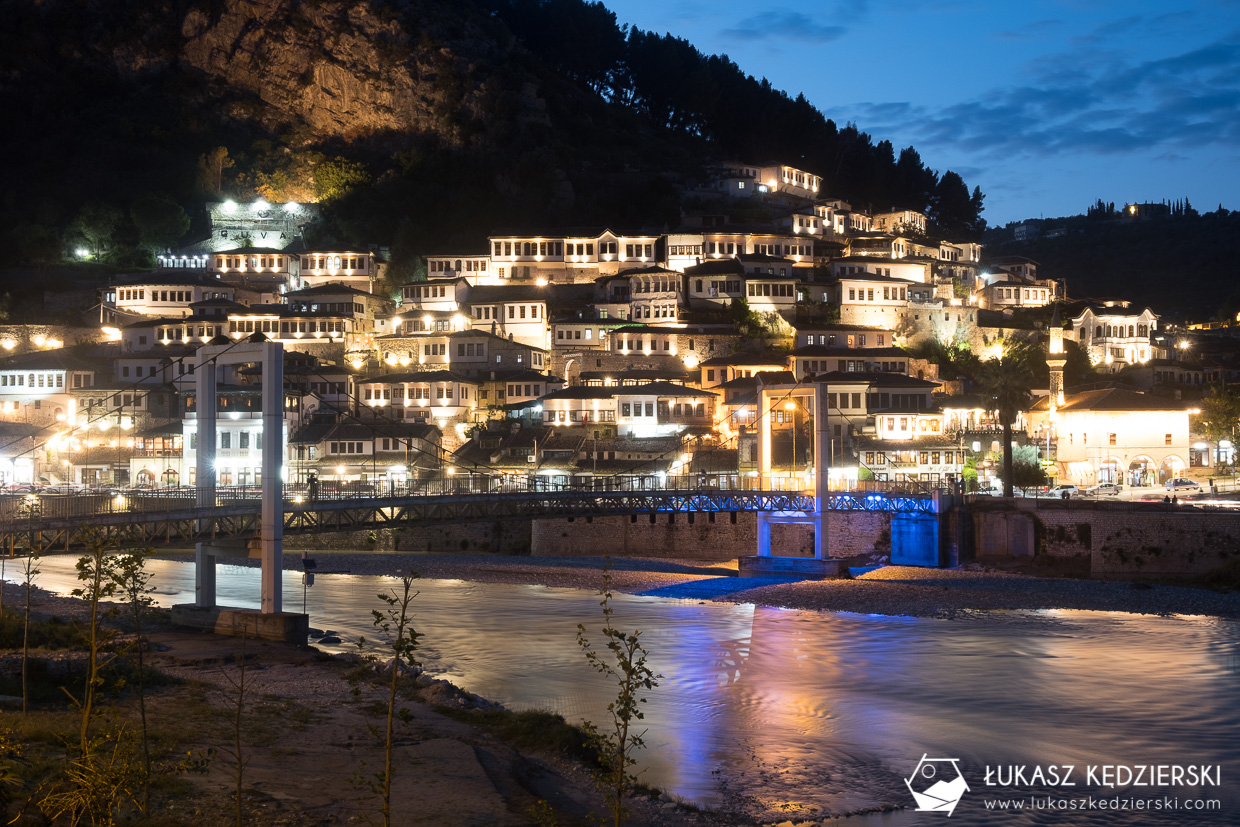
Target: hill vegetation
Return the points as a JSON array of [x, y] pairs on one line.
[[1182, 265], [414, 122]]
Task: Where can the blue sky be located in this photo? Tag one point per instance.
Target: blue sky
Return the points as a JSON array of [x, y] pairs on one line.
[[1045, 105]]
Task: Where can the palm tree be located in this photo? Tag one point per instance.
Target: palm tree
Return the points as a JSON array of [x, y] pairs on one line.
[[1005, 382]]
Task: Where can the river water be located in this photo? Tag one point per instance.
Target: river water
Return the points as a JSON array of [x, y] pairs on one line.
[[794, 714]]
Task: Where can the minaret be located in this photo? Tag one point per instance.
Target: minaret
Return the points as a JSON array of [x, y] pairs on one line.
[[1056, 360]]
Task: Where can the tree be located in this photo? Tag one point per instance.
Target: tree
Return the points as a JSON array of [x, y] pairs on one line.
[[397, 632], [132, 582], [30, 570], [1005, 381], [211, 168], [954, 213], [335, 178], [159, 219], [1220, 414], [94, 570], [96, 225], [240, 687], [628, 669]]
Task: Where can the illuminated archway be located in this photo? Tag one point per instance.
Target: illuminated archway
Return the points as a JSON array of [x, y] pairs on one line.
[[1109, 471], [1172, 466], [1142, 471]]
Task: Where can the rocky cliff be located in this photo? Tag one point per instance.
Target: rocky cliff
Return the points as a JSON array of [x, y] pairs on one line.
[[343, 69]]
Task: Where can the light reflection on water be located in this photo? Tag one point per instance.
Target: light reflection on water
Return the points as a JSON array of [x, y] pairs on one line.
[[798, 713]]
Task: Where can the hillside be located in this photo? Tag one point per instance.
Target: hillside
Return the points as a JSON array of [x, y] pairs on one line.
[[1184, 267], [419, 123]]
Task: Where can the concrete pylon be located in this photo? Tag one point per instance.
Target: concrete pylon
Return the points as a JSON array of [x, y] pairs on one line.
[[204, 412], [210, 359], [273, 480]]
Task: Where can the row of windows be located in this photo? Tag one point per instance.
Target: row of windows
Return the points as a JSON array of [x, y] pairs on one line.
[[333, 263], [889, 294], [439, 392], [931, 426], [782, 249], [851, 339], [1116, 330], [924, 457], [656, 311], [29, 380], [579, 416], [271, 325], [469, 265], [327, 307], [850, 366], [428, 291], [235, 262], [562, 334], [530, 390], [786, 290], [1014, 293], [684, 250], [1112, 439]]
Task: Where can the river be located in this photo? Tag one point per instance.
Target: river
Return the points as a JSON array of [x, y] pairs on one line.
[[795, 714]]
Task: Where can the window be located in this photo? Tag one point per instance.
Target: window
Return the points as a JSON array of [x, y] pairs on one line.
[[1167, 440], [1110, 439]]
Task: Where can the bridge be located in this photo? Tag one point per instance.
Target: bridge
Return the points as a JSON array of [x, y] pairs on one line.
[[175, 518]]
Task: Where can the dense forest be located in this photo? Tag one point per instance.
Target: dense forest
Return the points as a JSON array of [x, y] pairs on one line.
[[126, 115], [1182, 264]]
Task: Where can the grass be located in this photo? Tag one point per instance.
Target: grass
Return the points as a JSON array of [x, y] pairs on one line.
[[530, 730], [45, 633]]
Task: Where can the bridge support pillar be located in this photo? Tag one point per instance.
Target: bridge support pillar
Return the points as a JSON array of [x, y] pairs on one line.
[[204, 576], [211, 358], [764, 535], [272, 475]]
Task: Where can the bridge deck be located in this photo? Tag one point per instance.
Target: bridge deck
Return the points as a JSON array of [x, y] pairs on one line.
[[65, 522]]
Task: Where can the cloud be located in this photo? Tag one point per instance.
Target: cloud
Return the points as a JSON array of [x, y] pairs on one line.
[[787, 24], [1030, 31], [1108, 107]]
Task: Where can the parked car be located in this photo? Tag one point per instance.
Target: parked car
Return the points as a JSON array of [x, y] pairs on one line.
[[1182, 486], [1106, 489], [1065, 491]]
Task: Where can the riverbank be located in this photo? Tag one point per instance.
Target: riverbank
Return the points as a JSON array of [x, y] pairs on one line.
[[311, 744], [891, 590]]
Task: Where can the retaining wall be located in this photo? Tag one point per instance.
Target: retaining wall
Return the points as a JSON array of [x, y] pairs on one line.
[[1119, 539], [850, 534]]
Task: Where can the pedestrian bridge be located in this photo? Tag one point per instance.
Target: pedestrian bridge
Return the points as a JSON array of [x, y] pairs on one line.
[[163, 518]]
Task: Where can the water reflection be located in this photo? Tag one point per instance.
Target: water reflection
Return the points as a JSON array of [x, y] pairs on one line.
[[794, 713]]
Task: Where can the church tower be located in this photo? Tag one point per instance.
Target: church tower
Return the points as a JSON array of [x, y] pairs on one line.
[[1056, 360]]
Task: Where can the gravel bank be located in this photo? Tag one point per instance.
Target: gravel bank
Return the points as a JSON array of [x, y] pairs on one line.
[[892, 590]]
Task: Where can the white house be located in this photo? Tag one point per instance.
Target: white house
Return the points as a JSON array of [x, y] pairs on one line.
[[1114, 436], [1115, 336]]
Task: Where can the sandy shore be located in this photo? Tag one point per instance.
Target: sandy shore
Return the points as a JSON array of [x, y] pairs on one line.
[[891, 590]]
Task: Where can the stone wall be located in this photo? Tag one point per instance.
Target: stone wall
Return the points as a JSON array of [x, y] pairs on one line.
[[850, 534], [1118, 539], [499, 537]]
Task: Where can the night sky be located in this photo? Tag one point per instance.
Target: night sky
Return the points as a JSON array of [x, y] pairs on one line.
[[1046, 106]]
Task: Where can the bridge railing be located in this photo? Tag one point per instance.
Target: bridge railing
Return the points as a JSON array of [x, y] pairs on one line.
[[18, 508]]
